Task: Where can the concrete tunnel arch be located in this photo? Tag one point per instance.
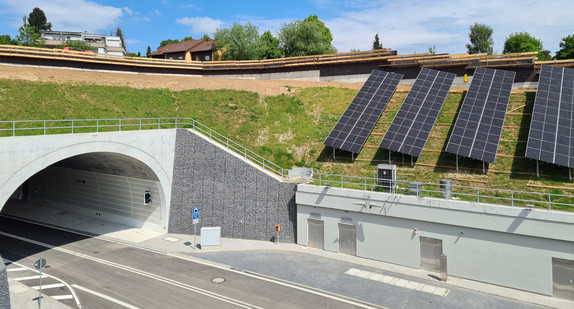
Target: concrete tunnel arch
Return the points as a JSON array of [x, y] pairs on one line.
[[45, 160]]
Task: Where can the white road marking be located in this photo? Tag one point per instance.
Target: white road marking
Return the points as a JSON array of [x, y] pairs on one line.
[[74, 296], [30, 277], [15, 269], [106, 297], [49, 286], [413, 285], [62, 297]]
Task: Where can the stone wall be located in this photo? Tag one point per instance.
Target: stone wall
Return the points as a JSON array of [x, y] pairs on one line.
[[244, 200], [4, 290]]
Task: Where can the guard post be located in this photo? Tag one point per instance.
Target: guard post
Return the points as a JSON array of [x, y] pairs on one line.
[[195, 213]]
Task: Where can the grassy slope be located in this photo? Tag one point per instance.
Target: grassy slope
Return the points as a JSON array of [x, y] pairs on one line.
[[290, 130]]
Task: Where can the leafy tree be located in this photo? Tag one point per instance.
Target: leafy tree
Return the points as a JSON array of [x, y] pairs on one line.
[[432, 50], [304, 37], [377, 43], [5, 39], [480, 36], [187, 38], [354, 50], [120, 33], [239, 42], [206, 37], [566, 48], [139, 54], [38, 20], [522, 42], [167, 42], [269, 46], [148, 51], [27, 35]]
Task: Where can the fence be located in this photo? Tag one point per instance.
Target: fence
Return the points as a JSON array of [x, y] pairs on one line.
[[45, 127]]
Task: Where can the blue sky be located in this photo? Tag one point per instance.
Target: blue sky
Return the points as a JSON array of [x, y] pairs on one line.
[[408, 26]]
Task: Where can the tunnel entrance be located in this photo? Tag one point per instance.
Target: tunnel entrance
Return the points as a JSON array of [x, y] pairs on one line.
[[98, 192]]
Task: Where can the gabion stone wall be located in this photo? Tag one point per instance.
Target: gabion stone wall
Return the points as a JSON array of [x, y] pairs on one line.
[[4, 289], [243, 200]]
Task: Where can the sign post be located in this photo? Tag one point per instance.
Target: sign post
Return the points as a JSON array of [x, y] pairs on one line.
[[195, 213], [40, 264]]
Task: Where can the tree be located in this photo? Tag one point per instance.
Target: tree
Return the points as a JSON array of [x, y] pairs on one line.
[[239, 42], [304, 37], [206, 37], [480, 36], [523, 42], [432, 50], [27, 35], [566, 50], [187, 38], [148, 51], [269, 46], [5, 39], [120, 33], [38, 20], [377, 43], [167, 42]]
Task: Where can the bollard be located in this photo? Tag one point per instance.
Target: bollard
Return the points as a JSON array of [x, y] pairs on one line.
[[443, 268]]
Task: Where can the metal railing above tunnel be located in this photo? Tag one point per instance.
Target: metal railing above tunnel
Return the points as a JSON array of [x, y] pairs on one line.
[[73, 126]]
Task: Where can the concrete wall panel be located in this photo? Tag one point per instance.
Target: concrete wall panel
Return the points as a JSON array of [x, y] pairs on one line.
[[501, 245]]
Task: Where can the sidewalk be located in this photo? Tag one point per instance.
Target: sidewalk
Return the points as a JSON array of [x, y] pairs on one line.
[[24, 297]]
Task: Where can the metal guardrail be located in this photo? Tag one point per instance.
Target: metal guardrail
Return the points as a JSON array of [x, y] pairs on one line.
[[511, 198], [467, 193], [70, 126]]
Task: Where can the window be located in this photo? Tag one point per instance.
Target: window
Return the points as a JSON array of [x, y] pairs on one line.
[[207, 58]]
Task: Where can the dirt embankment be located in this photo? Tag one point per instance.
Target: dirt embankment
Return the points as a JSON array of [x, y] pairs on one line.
[[172, 82]]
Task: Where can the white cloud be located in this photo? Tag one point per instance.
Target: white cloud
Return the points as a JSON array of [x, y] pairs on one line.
[[130, 42], [128, 10], [157, 13], [200, 25], [69, 15], [413, 26]]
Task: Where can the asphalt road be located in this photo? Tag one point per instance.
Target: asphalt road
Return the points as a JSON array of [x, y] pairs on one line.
[[110, 275]]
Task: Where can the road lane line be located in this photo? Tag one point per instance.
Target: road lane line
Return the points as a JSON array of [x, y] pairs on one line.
[[106, 297], [188, 287], [49, 286], [15, 269], [62, 297]]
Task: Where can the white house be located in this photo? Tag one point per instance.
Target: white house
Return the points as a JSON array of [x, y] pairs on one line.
[[101, 44]]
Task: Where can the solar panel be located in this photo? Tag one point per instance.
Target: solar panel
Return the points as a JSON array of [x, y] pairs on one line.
[[413, 123], [478, 127], [358, 121], [551, 137]]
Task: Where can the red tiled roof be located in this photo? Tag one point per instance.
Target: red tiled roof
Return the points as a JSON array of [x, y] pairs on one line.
[[185, 46]]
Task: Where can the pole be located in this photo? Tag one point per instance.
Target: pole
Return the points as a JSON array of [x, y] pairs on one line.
[[194, 231], [40, 291]]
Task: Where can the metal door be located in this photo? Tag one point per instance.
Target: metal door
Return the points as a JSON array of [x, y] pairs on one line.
[[347, 239], [563, 278], [431, 250], [316, 233]]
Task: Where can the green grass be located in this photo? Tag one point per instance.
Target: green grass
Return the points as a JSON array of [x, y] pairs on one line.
[[290, 129]]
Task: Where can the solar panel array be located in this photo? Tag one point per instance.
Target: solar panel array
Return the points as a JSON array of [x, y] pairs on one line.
[[551, 137], [358, 121], [478, 127], [413, 123]]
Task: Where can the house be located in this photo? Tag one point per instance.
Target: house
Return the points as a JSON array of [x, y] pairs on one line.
[[193, 50], [101, 44]]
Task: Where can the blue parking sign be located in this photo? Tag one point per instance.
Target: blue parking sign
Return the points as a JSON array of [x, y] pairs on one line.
[[195, 215]]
